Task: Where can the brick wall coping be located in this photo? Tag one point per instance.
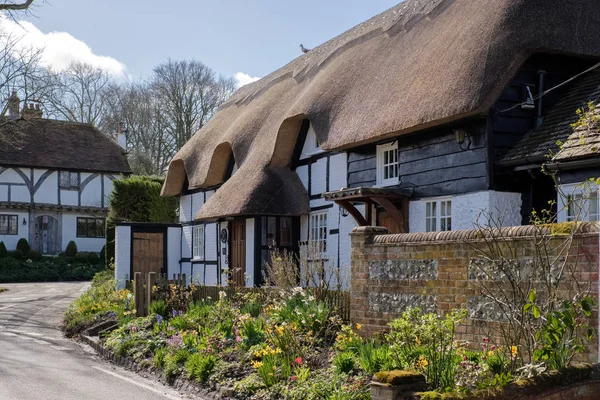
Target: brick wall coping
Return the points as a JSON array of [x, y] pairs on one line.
[[378, 235]]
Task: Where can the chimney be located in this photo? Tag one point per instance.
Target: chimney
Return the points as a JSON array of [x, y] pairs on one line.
[[13, 106], [122, 136], [32, 111], [38, 111]]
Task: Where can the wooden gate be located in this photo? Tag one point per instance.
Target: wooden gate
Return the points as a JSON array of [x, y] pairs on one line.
[[148, 252], [238, 253], [46, 235]]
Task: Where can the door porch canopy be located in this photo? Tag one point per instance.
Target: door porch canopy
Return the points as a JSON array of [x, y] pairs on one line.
[[393, 200]]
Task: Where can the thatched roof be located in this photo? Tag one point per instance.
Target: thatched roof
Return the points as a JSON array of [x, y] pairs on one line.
[[48, 143], [420, 64]]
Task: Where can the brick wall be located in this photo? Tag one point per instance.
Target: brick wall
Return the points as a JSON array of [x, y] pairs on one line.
[[439, 271]]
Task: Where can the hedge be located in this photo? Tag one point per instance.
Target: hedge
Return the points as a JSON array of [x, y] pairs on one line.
[[137, 199], [47, 269]]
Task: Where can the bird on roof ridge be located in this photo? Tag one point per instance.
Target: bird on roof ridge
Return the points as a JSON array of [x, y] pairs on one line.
[[304, 49]]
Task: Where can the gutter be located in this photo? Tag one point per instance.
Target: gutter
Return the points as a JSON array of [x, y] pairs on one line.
[[570, 165]]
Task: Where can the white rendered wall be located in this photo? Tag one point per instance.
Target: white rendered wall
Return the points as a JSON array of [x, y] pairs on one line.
[[69, 232], [47, 192], [472, 208], [211, 242], [91, 195], [318, 174], [122, 255], [224, 250], [185, 209], [10, 241]]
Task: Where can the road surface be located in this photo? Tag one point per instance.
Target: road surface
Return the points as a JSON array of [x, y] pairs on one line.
[[38, 363]]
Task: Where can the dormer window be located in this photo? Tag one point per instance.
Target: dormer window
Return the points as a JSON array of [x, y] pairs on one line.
[[387, 164], [69, 180]]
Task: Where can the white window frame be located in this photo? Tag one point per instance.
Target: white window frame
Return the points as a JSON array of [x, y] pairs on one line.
[[580, 209], [198, 242], [318, 234], [382, 150], [438, 215]]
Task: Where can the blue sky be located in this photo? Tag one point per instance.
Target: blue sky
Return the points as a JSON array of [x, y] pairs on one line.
[[231, 36]]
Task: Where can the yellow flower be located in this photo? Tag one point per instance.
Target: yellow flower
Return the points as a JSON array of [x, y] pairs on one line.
[[490, 353], [358, 326], [257, 364], [514, 350], [422, 362], [418, 341]]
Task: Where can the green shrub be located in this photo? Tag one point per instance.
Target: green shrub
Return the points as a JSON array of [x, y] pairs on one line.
[[23, 245], [71, 250], [344, 362], [33, 255], [3, 252], [93, 258], [16, 254], [397, 378], [159, 307], [200, 366]]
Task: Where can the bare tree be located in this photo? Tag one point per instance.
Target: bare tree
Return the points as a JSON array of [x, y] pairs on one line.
[[137, 107], [12, 6], [80, 93], [190, 93]]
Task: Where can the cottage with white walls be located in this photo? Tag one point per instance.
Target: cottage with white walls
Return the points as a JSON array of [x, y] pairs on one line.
[[390, 124], [55, 180]]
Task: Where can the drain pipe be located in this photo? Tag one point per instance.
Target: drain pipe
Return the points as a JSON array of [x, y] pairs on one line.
[[540, 112]]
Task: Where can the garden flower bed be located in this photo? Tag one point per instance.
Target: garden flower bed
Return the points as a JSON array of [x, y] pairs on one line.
[[291, 345]]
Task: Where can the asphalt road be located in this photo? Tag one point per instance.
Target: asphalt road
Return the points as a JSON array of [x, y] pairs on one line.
[[37, 362]]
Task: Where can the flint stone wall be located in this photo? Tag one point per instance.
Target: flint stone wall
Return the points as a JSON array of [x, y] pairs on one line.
[[441, 271]]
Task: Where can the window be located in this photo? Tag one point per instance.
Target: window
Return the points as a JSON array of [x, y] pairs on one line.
[[198, 242], [438, 216], [318, 232], [90, 227], [69, 180], [9, 224], [387, 164], [580, 209]]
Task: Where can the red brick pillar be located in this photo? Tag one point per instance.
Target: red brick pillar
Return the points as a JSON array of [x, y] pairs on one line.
[[361, 237]]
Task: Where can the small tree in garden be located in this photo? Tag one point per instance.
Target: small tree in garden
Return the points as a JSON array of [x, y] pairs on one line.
[[71, 250], [23, 245]]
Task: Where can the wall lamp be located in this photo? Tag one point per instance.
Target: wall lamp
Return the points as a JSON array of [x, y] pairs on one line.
[[24, 221], [463, 139]]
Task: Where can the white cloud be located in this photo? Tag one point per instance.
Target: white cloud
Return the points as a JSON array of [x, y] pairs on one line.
[[243, 79], [59, 48]]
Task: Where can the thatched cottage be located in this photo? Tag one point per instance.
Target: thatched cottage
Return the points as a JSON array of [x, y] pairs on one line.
[[417, 120]]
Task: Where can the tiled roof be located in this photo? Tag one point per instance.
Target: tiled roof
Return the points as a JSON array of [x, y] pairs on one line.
[[542, 144], [47, 143]]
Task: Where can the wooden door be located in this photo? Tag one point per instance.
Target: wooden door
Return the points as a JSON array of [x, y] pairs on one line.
[[387, 221], [148, 253], [238, 253], [46, 234]]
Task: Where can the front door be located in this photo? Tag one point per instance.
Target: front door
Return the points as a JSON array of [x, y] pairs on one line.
[[387, 221], [148, 253], [237, 266], [46, 234]]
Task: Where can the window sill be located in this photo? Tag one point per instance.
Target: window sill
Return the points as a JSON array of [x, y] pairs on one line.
[[386, 184], [197, 259]]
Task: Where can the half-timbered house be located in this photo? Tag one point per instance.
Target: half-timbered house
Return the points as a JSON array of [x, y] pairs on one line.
[[55, 179]]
